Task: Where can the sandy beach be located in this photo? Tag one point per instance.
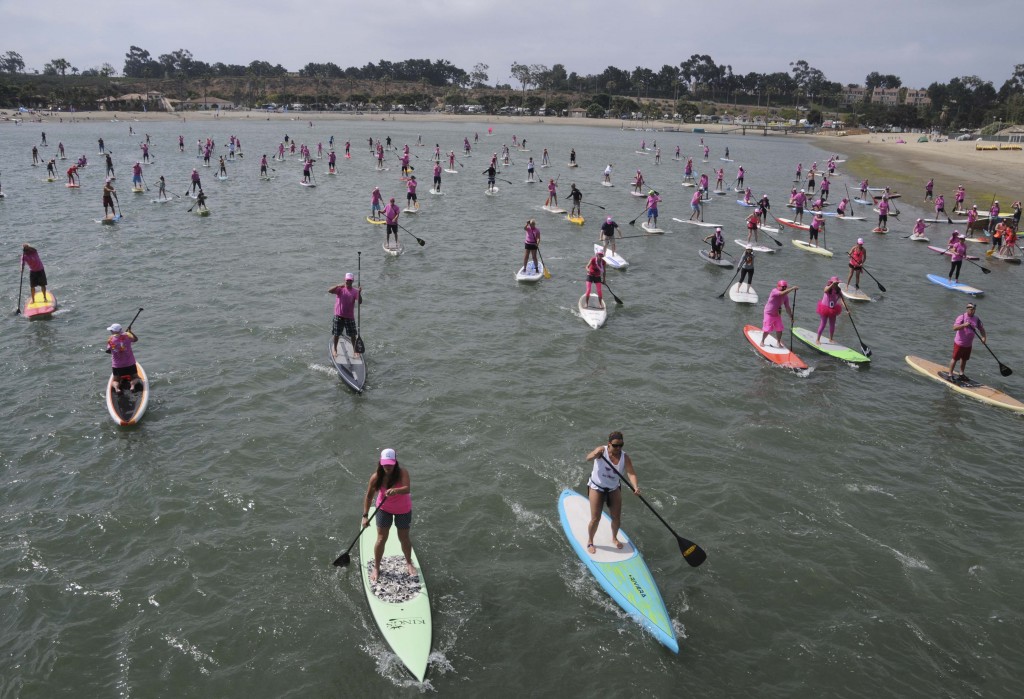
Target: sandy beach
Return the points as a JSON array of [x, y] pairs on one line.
[[905, 167]]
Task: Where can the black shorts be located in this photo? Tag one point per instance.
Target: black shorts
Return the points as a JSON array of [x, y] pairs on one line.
[[392, 228], [37, 278], [384, 519], [118, 372], [593, 279], [343, 325], [799, 209], [530, 246], [411, 196]]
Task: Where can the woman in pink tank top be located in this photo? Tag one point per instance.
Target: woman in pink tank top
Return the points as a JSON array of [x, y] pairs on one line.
[[389, 488]]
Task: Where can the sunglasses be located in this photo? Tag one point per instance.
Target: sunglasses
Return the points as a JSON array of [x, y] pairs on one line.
[[615, 444]]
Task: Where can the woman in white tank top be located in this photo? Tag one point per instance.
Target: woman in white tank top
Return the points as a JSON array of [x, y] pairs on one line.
[[605, 484]]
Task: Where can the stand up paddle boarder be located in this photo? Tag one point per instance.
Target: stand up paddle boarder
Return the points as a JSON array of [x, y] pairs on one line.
[[772, 319], [858, 256], [604, 486], [391, 484], [345, 311], [830, 306], [36, 271], [966, 325], [531, 244], [122, 359]]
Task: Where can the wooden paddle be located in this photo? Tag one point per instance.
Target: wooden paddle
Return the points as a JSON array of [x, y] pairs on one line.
[[547, 274], [344, 559], [418, 239], [692, 553], [863, 348], [358, 344], [17, 310]]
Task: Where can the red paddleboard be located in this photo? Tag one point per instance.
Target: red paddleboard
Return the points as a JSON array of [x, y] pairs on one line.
[[789, 223], [40, 305], [771, 350]]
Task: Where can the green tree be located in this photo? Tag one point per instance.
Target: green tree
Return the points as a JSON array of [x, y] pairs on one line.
[[12, 62], [595, 111], [478, 76]]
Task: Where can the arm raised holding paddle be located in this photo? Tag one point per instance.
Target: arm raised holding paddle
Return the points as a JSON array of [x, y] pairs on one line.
[[603, 486]]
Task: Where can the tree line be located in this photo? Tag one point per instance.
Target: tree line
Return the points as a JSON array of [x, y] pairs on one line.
[[965, 101]]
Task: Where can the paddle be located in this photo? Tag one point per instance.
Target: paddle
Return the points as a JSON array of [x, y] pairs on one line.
[[17, 309], [358, 345], [143, 178], [617, 299], [633, 222], [880, 287], [507, 181], [643, 235], [418, 240], [589, 204], [693, 553], [134, 319], [344, 559], [792, 320], [735, 274], [118, 202], [863, 348], [1003, 369], [547, 274]]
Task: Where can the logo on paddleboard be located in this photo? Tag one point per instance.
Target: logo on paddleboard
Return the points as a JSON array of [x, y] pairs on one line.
[[636, 586], [402, 623]]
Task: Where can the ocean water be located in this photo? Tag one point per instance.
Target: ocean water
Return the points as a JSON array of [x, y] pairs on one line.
[[862, 524]]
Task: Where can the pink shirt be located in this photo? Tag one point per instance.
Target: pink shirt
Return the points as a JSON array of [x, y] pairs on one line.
[[965, 336], [799, 199], [345, 304], [552, 187], [391, 212], [410, 186], [652, 201], [120, 347], [695, 199], [532, 235], [959, 250], [773, 306], [395, 504], [32, 260]]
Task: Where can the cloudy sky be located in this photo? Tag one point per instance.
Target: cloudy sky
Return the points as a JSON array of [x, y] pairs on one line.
[[920, 42]]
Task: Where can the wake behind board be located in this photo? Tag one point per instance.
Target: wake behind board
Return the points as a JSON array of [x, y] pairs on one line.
[[978, 391], [622, 572], [399, 603], [40, 306], [954, 285], [351, 368], [772, 350], [833, 349]]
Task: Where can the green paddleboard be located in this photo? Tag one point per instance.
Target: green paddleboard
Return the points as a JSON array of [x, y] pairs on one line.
[[833, 349]]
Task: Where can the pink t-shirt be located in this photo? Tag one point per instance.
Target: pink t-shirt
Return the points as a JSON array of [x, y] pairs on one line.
[[120, 347], [345, 304], [965, 336], [410, 186], [695, 199], [395, 504], [391, 212], [776, 300], [32, 260], [532, 235]]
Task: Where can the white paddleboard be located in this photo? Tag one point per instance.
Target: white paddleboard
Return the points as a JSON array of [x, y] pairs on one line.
[[612, 258], [753, 246], [745, 295], [595, 314]]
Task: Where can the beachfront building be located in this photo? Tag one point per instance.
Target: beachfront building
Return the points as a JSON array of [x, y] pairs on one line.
[[890, 97]]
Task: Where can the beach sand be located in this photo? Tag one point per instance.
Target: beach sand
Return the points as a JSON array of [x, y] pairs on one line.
[[905, 167]]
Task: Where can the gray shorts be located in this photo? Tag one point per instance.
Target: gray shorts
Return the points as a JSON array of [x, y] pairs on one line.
[[384, 519]]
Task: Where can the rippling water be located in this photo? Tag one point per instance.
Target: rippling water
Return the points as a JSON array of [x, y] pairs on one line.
[[862, 525]]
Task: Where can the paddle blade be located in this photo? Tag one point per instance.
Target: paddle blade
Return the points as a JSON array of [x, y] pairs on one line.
[[342, 560], [421, 242], [1005, 370], [865, 349], [359, 346], [547, 274], [880, 287], [986, 270], [693, 553]]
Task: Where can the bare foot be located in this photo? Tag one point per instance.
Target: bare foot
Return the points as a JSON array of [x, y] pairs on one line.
[[618, 544], [591, 549], [411, 569], [373, 574]]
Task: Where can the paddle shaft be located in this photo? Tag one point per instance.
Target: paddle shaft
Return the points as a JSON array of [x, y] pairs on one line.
[[344, 558], [418, 240], [693, 553], [734, 275], [1003, 369], [864, 348], [17, 309], [633, 222], [134, 319], [359, 346], [589, 204], [617, 299], [547, 274]]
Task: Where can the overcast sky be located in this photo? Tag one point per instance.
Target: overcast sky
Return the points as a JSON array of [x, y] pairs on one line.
[[920, 42]]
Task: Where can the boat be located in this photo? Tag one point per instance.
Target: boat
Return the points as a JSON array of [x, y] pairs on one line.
[[593, 316], [40, 305], [399, 604], [945, 220], [978, 391], [772, 350], [879, 230], [128, 407], [393, 248], [530, 273], [578, 220], [706, 256], [160, 201], [554, 209], [753, 246], [849, 218], [954, 285], [611, 258], [745, 295], [817, 250], [451, 172], [351, 368], [651, 229], [622, 572], [833, 349], [854, 294]]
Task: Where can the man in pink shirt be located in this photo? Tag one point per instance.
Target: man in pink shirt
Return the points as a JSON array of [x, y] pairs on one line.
[[344, 311], [391, 213], [122, 362], [966, 326]]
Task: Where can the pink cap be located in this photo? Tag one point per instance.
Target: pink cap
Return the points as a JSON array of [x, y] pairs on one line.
[[860, 241], [349, 276], [608, 220], [388, 457], [782, 284]]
